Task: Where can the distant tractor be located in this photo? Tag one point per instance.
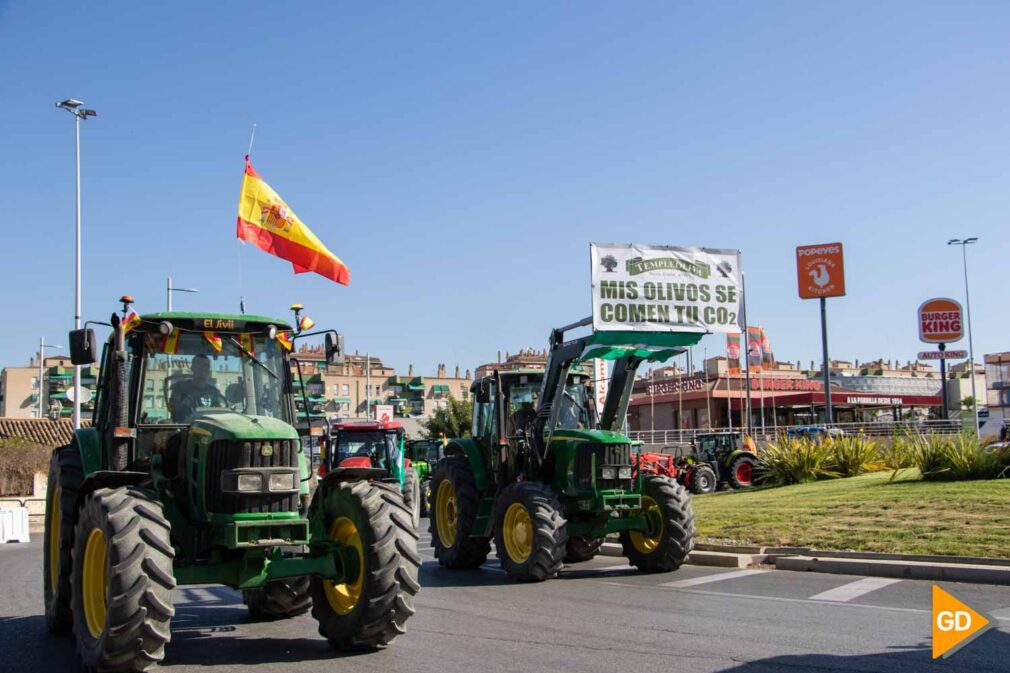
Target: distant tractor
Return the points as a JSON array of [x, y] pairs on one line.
[[377, 445], [424, 454], [717, 459], [193, 473], [548, 481]]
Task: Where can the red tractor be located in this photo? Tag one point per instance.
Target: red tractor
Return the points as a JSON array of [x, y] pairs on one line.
[[714, 460]]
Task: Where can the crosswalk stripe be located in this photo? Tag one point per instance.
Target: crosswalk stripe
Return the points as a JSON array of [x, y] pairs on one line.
[[852, 590], [719, 577]]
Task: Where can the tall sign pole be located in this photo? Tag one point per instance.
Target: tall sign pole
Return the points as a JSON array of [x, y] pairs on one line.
[[820, 273], [828, 414]]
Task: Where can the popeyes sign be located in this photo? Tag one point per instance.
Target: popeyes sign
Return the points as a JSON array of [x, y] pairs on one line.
[[940, 321]]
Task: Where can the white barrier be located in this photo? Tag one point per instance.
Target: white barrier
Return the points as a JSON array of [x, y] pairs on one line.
[[14, 524]]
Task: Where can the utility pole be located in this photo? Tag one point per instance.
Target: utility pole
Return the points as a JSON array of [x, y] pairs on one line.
[[828, 415], [967, 302]]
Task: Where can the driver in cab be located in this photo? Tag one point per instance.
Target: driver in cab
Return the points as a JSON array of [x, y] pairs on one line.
[[194, 392]]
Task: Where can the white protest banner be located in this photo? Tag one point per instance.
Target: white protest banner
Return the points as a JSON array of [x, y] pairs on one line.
[[651, 288]]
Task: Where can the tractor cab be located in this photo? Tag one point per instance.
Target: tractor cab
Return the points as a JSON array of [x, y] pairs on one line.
[[375, 444]]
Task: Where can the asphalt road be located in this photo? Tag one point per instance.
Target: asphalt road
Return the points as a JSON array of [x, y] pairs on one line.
[[598, 616]]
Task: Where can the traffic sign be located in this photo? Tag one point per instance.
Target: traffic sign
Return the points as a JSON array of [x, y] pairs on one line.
[[940, 321], [943, 355], [820, 270]]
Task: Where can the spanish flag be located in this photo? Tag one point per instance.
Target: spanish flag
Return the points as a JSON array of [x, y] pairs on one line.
[[266, 221], [284, 339], [130, 321], [214, 340], [306, 323]]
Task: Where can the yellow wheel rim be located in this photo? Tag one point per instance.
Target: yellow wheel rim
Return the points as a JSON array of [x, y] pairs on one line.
[[94, 587], [446, 514], [647, 544], [54, 539], [517, 532], [343, 597]]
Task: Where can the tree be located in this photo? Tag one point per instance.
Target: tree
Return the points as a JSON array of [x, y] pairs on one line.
[[452, 421], [968, 403]]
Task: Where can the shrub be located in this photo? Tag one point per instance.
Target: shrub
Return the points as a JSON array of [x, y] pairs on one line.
[[896, 455], [796, 460], [19, 461], [853, 455], [958, 456]]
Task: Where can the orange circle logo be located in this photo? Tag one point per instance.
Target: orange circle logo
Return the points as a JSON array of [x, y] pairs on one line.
[[940, 321]]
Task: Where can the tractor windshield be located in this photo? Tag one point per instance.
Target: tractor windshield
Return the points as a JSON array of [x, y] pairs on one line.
[[575, 412], [374, 444], [193, 374]]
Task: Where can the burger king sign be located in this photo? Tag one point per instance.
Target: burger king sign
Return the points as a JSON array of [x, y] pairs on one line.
[[940, 321]]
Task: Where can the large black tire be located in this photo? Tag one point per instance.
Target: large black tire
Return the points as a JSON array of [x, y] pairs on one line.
[[122, 537], [370, 610], [65, 477], [667, 548], [412, 495], [703, 479], [582, 548], [530, 534], [454, 547], [741, 472], [279, 599], [425, 496]]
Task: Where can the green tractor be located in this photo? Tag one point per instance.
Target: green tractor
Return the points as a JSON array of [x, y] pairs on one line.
[[193, 473], [424, 454], [547, 480]]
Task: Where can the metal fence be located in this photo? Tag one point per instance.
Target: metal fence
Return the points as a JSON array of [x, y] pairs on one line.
[[874, 429]]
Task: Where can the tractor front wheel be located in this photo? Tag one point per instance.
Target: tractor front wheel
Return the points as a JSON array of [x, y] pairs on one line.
[[703, 479], [741, 472], [122, 580], [65, 477], [452, 512], [530, 535], [670, 536], [279, 599], [582, 548], [369, 608], [412, 495]]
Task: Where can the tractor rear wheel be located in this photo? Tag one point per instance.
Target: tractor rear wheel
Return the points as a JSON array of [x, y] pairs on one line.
[[741, 472], [412, 495], [65, 477], [452, 511], [582, 548], [122, 580], [703, 479], [530, 535], [368, 609], [670, 538], [279, 599]]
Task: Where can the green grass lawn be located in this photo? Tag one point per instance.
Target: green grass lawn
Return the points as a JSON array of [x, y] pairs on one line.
[[867, 513]]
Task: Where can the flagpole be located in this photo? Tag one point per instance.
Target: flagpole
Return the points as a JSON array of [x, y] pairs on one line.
[[252, 137]]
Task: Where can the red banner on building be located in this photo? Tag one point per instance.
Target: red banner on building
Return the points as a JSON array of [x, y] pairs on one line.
[[754, 351], [733, 352]]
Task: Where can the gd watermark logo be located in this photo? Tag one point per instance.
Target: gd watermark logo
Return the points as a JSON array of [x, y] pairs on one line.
[[954, 624]]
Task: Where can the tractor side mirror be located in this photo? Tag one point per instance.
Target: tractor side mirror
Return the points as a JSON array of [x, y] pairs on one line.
[[83, 347], [334, 348], [482, 392]]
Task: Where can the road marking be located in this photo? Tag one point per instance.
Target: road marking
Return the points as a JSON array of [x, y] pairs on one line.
[[853, 590], [707, 579]]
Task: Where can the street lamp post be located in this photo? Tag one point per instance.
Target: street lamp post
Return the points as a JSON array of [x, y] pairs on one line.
[[169, 290], [967, 302], [75, 108], [42, 356]]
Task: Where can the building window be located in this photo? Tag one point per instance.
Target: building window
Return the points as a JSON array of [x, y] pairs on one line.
[[345, 389]]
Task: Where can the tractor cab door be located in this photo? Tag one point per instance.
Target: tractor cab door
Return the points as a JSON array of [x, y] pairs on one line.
[[484, 428], [395, 458]]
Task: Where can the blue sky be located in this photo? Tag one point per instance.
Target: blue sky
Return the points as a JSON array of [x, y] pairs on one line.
[[460, 157]]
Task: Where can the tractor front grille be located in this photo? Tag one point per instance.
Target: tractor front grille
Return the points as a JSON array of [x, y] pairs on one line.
[[229, 454], [606, 455]]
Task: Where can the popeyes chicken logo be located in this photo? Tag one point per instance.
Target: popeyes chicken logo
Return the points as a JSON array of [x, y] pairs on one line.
[[277, 216]]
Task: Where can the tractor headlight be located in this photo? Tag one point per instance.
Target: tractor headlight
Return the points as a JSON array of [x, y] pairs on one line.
[[250, 482], [608, 472], [282, 482], [624, 472]]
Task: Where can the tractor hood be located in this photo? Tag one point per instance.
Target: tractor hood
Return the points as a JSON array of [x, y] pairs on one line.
[[598, 436], [234, 425]]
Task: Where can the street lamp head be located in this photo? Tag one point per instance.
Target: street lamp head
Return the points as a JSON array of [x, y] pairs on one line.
[[69, 104], [88, 113], [971, 240], [954, 241]]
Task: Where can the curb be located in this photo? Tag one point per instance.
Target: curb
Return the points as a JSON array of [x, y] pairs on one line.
[[968, 569], [902, 569]]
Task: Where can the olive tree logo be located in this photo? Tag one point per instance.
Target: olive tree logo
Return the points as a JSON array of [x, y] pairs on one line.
[[609, 263]]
